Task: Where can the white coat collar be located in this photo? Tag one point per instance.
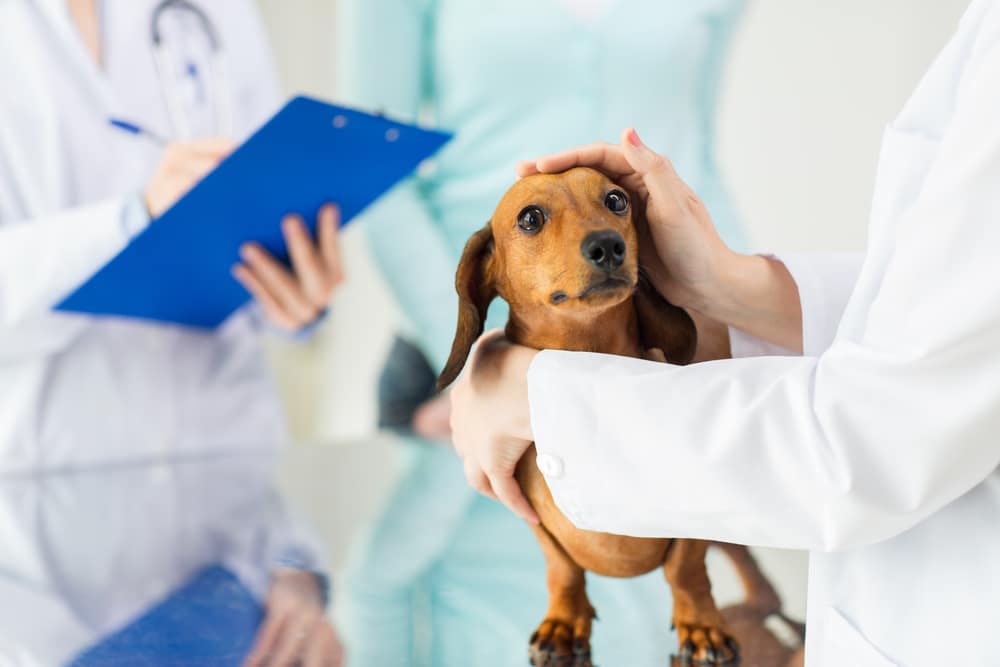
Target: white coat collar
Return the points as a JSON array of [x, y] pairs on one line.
[[55, 16], [974, 14]]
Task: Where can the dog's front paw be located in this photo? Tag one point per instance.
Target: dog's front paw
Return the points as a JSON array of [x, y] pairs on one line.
[[560, 644], [706, 645]]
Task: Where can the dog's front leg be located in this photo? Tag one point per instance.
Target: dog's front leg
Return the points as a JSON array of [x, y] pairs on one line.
[[701, 630], [563, 638]]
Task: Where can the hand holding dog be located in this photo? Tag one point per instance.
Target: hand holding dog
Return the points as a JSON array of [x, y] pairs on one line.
[[681, 251], [490, 422]]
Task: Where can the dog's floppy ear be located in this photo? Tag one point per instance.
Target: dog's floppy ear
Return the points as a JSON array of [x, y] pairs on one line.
[[475, 282], [663, 325]]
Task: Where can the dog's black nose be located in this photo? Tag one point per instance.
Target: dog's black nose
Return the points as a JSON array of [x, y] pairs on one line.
[[604, 250]]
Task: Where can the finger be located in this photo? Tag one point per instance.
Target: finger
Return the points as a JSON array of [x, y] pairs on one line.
[[457, 442], [663, 185], [280, 283], [272, 309], [291, 645], [321, 649], [526, 168], [267, 637], [642, 158], [477, 478], [212, 146], [432, 418], [329, 241], [306, 261], [508, 491], [191, 172], [194, 168], [604, 157]]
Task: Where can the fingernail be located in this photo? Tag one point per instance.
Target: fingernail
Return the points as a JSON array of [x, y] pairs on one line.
[[246, 250], [633, 138]]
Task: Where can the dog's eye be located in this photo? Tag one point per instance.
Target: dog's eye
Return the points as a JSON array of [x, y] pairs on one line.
[[616, 201], [531, 219]]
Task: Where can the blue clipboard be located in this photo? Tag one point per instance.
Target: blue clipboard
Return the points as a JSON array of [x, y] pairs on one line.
[[210, 621], [310, 153]]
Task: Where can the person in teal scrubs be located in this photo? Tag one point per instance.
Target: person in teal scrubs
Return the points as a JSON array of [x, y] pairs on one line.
[[446, 577]]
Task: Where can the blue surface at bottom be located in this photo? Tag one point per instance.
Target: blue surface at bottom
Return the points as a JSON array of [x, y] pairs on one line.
[[210, 620]]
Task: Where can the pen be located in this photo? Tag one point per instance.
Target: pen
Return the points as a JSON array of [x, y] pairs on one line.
[[137, 130]]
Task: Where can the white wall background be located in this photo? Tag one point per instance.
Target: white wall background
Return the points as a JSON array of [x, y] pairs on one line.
[[810, 86]]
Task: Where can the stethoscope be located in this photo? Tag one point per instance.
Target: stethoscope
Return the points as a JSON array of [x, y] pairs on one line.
[[166, 71]]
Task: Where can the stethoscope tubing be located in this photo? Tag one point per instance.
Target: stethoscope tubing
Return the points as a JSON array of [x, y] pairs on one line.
[[167, 73]]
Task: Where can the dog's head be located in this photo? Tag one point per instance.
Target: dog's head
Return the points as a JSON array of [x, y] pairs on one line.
[[558, 246]]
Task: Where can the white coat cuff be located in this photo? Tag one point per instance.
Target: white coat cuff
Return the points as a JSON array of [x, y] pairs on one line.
[[575, 467], [135, 217], [825, 281], [742, 344]]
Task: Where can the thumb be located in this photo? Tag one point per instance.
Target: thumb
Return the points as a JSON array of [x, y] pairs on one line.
[[646, 162], [665, 188]]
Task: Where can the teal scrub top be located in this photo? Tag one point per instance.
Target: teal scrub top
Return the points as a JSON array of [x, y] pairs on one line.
[[514, 80]]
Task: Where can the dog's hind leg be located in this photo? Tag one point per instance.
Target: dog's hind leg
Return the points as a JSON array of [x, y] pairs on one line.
[[701, 630], [760, 594], [563, 638]]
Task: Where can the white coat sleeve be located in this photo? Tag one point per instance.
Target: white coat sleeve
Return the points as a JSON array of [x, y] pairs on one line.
[[42, 260], [825, 281], [848, 448]]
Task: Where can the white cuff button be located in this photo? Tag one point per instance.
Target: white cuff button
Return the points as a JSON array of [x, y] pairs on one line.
[[550, 466]]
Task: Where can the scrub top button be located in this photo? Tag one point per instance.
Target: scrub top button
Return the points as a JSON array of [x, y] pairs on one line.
[[550, 466]]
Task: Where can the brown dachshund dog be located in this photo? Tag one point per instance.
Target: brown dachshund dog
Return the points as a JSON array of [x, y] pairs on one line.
[[562, 250]]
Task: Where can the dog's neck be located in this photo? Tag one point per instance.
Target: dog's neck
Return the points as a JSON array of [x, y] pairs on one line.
[[614, 330]]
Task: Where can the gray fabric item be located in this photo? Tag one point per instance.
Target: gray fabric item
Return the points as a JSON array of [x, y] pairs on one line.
[[406, 382]]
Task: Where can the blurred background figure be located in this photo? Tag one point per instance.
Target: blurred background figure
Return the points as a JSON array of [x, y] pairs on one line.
[[184, 562], [110, 111], [510, 80]]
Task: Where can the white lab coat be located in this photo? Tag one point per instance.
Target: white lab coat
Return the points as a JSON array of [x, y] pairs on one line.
[[85, 554], [80, 390], [876, 449]]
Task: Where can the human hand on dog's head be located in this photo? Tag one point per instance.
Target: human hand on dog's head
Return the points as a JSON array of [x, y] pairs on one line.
[[490, 421], [679, 247]]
